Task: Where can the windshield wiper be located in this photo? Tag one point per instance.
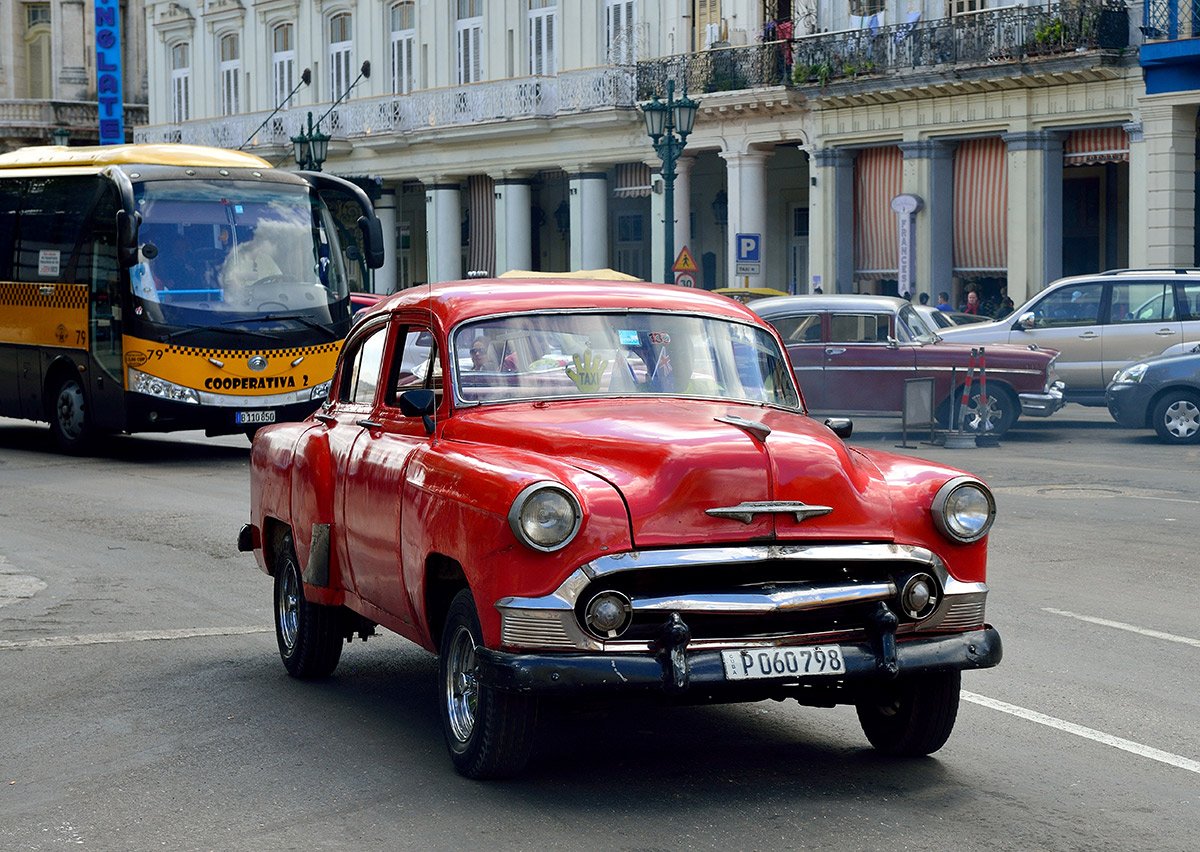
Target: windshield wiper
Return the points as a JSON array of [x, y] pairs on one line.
[[223, 328], [303, 320]]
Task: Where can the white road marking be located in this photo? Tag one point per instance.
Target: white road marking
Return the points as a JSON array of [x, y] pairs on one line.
[[127, 636], [1161, 756], [1121, 625]]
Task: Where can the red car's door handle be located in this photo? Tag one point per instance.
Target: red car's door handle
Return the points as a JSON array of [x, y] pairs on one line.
[[327, 419], [370, 424]]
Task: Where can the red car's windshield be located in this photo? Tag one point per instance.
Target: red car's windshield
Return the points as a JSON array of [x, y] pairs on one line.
[[543, 356]]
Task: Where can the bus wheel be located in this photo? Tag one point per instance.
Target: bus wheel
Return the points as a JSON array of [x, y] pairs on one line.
[[69, 423]]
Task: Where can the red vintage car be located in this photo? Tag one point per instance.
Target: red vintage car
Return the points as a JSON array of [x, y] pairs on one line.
[[853, 354], [573, 487]]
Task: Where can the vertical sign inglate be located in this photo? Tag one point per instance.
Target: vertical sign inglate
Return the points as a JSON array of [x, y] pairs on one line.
[[110, 99]]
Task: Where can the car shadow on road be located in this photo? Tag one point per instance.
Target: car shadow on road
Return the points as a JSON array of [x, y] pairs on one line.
[[175, 447]]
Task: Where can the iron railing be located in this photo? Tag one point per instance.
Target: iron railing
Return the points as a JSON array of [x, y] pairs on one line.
[[1008, 33], [432, 109], [1167, 20]]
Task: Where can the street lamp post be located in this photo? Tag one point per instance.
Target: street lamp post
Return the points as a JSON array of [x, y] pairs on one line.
[[311, 147], [669, 123]]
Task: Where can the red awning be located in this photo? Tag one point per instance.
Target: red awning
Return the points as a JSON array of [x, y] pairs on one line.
[[981, 206], [1096, 145], [878, 177]]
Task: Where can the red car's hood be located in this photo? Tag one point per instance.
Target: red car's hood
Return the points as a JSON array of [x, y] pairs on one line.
[[672, 460]]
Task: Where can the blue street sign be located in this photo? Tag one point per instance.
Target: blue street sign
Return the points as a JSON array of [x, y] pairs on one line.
[[749, 248]]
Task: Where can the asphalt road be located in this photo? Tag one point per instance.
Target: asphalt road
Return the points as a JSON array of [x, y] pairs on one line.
[[144, 705]]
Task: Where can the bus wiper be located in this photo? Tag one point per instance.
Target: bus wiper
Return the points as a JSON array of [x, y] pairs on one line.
[[303, 320], [223, 327]]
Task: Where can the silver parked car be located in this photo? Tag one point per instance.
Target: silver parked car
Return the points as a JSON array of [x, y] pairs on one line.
[[1100, 323]]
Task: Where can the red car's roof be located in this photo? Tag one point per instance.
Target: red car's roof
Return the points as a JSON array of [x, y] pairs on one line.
[[455, 301]]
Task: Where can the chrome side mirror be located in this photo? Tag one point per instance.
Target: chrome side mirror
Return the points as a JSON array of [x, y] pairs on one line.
[[1026, 321]]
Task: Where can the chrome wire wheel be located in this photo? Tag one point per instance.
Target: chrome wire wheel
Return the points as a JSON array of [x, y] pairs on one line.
[[287, 606], [461, 687]]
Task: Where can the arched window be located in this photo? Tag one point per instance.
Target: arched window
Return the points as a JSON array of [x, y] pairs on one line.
[[283, 60], [230, 70], [181, 82], [404, 36], [39, 83], [340, 46]]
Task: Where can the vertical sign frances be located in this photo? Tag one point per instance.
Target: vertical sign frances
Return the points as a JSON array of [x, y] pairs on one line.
[[109, 97]]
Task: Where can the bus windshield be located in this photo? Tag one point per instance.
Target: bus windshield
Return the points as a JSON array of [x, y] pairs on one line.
[[212, 251]]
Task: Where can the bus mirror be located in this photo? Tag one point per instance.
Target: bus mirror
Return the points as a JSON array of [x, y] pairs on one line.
[[127, 237], [372, 235]]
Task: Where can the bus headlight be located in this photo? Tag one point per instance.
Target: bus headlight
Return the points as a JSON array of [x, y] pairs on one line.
[[140, 382], [545, 516], [963, 509], [320, 391]]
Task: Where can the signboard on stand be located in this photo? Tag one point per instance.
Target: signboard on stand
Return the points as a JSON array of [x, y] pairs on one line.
[[685, 269], [749, 254]]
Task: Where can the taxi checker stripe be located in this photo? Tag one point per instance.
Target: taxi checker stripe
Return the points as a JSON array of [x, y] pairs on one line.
[[237, 353], [51, 294]]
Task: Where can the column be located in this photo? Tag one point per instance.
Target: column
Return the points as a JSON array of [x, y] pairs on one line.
[[443, 230], [385, 209], [588, 196], [929, 174], [1035, 199], [1170, 140], [831, 220], [514, 228], [746, 177], [1139, 197], [683, 214]]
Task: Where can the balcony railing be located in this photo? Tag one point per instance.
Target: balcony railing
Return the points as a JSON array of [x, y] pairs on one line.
[[433, 109], [993, 35], [1168, 20], [79, 117]]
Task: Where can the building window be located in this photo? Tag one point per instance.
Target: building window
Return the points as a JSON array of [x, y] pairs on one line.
[[230, 70], [621, 17], [867, 8], [283, 60], [469, 32], [181, 82], [962, 7], [39, 82], [340, 44], [404, 37], [543, 37]]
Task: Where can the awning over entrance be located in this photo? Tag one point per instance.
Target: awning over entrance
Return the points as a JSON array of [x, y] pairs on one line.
[[632, 180], [981, 206], [481, 231], [1096, 145], [878, 177]]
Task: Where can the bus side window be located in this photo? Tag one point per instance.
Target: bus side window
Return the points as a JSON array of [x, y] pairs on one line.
[[53, 219], [11, 193]]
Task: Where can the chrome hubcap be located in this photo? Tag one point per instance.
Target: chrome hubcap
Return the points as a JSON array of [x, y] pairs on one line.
[[287, 607], [1182, 418], [462, 688]]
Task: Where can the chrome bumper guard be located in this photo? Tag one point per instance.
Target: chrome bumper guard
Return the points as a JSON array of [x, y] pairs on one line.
[[550, 622], [1043, 404]]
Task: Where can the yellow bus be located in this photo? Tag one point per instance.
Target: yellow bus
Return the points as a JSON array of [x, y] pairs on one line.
[[154, 288]]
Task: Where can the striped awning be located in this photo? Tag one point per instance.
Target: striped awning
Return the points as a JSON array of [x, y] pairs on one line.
[[632, 180], [481, 233], [878, 177], [981, 206], [1096, 145]]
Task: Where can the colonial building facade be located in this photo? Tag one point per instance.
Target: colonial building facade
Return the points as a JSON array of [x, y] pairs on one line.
[[869, 145], [48, 71]]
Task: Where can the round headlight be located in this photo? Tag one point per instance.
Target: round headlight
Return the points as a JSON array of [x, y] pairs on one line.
[[545, 516], [963, 509]]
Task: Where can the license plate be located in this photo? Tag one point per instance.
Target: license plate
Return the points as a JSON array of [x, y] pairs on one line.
[[243, 417], [757, 663]]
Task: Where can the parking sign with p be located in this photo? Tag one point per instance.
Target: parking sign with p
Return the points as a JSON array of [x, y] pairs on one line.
[[749, 253]]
